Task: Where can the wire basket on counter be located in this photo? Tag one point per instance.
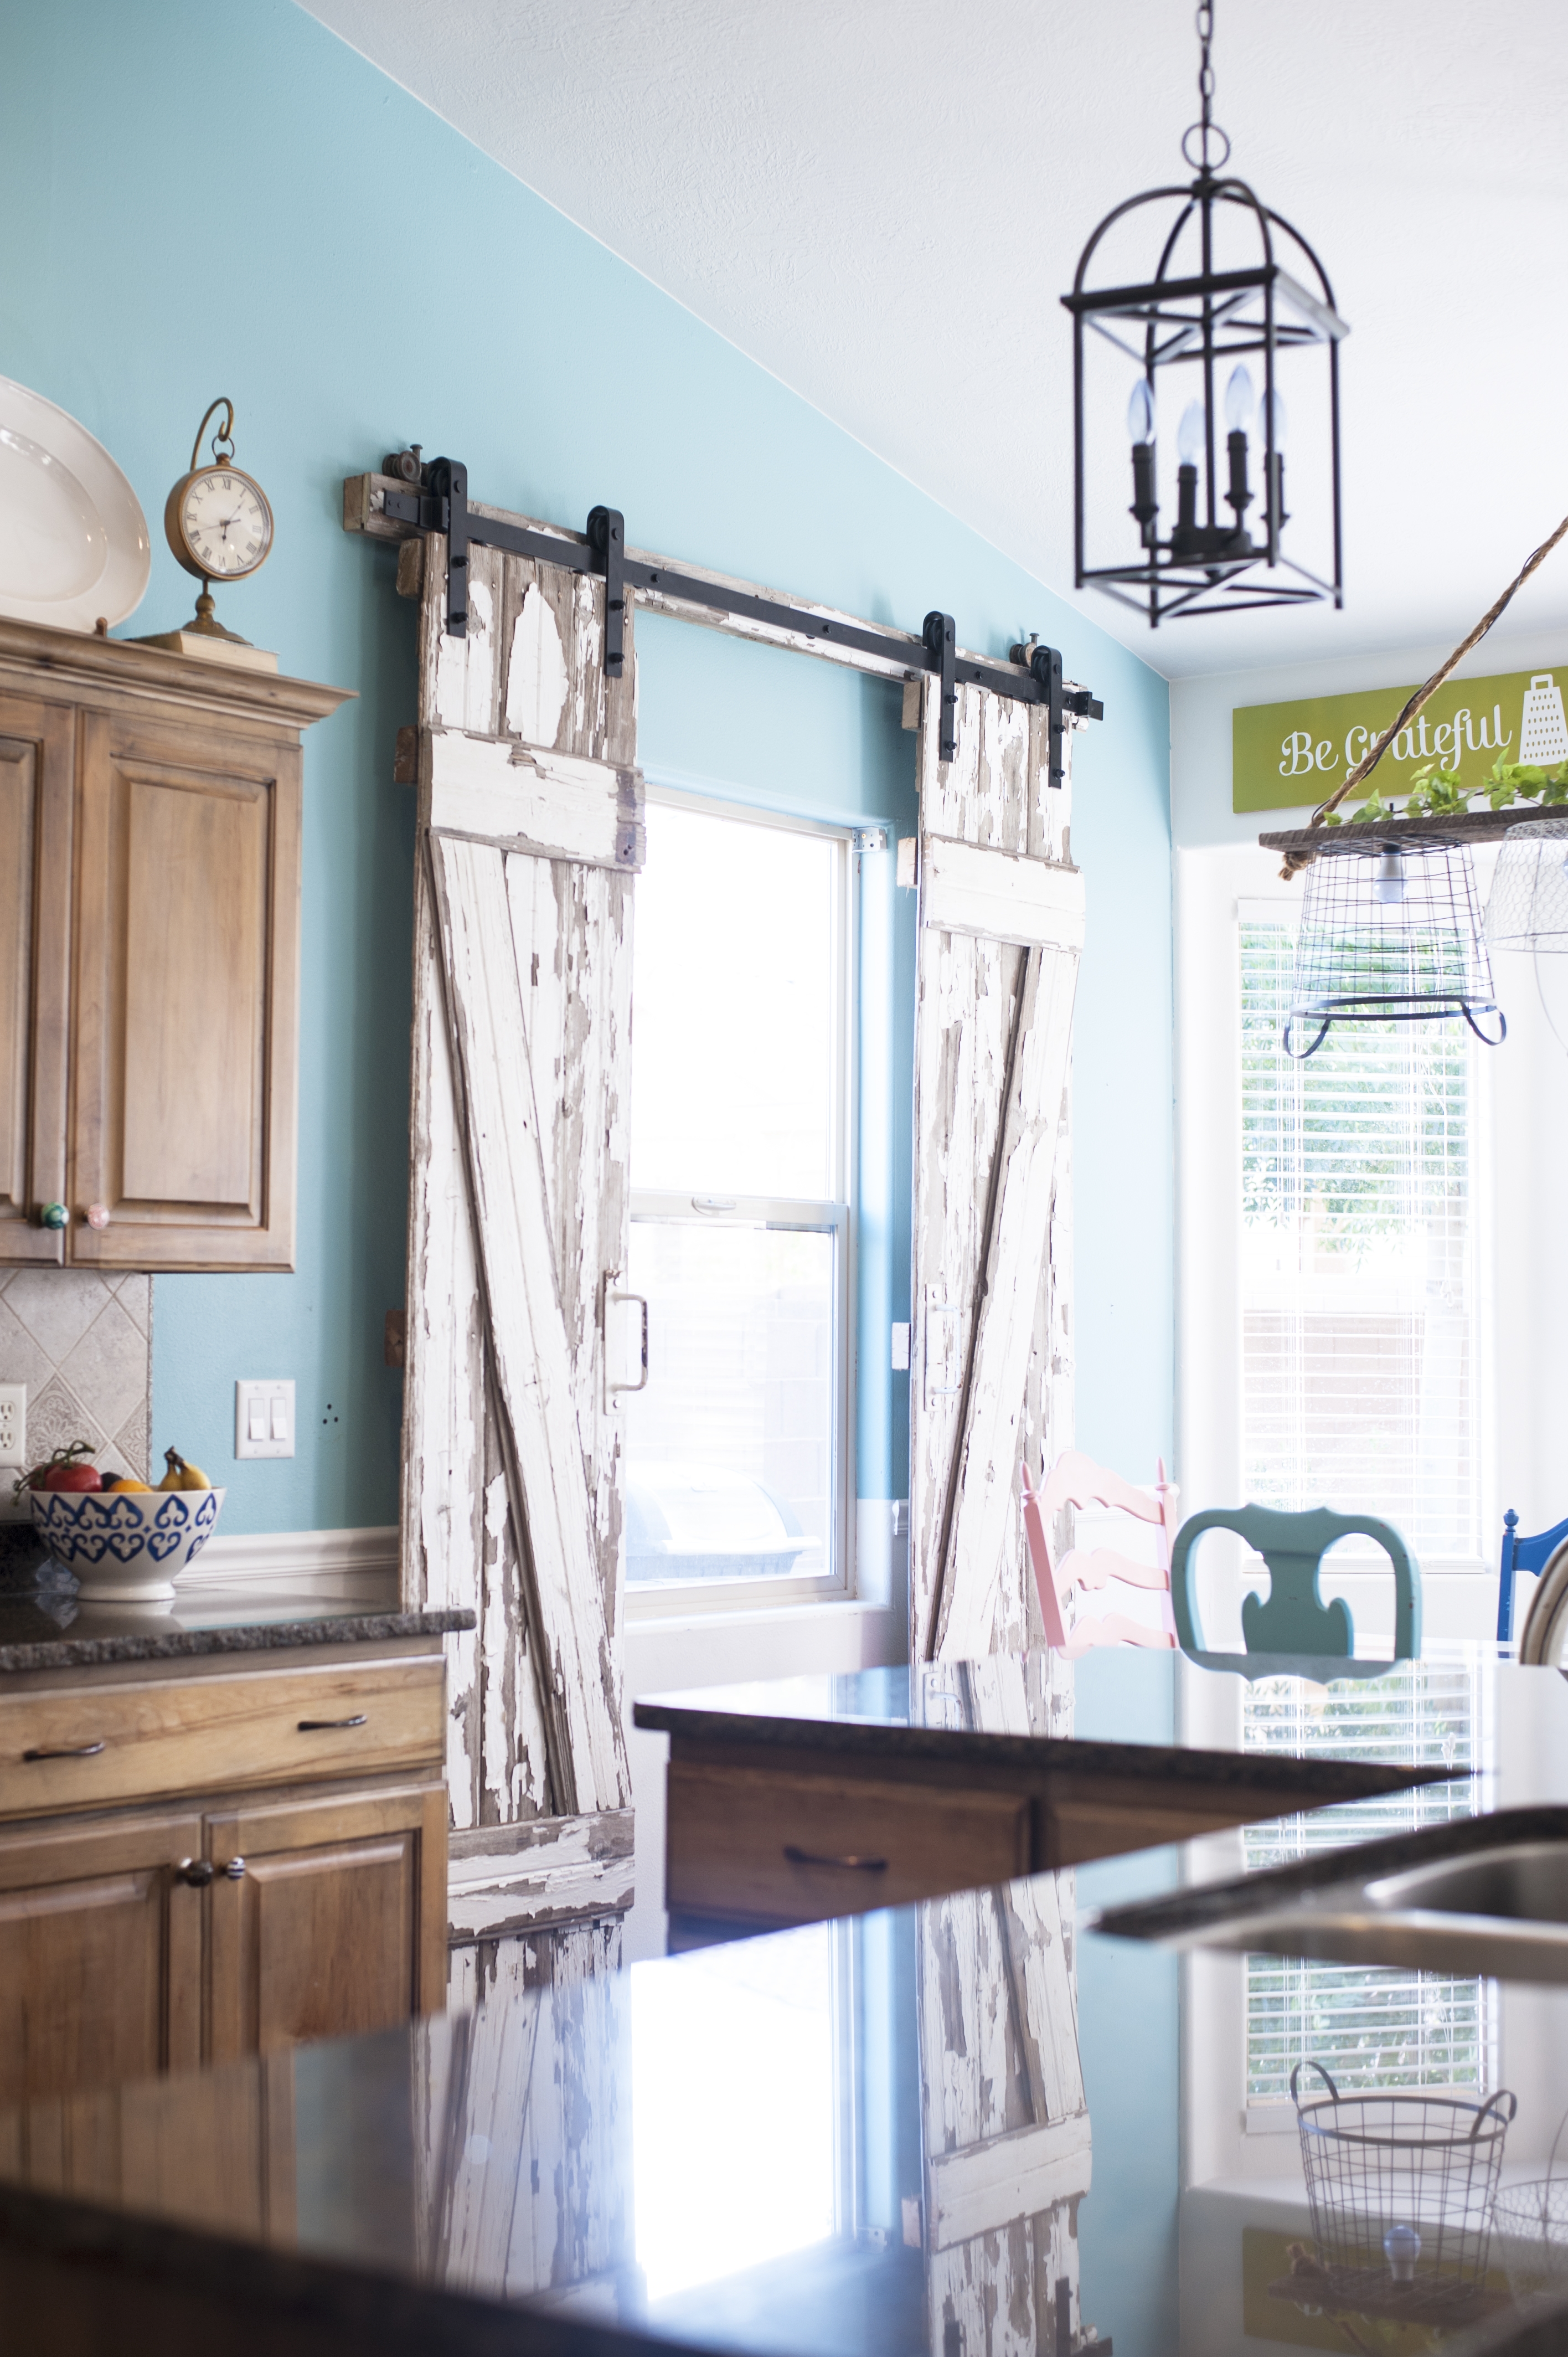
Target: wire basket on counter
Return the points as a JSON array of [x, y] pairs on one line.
[[1531, 2224], [1401, 2191]]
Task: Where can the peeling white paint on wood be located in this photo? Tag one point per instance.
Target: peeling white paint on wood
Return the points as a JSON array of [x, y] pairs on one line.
[[537, 682], [534, 2184], [1000, 897], [551, 805], [981, 1044], [577, 1667], [1007, 2134], [560, 931]]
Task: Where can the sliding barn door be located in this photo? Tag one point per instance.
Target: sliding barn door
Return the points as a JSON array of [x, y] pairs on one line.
[[1001, 924], [530, 837]]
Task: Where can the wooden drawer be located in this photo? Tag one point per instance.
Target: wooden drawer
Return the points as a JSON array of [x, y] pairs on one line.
[[204, 1734], [752, 1845]]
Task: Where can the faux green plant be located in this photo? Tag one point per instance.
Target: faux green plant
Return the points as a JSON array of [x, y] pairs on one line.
[[1437, 793], [1512, 781]]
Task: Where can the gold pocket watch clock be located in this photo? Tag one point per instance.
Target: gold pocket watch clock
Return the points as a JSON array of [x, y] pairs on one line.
[[219, 523]]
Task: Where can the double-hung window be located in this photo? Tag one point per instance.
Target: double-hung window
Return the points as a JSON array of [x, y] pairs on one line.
[[739, 1443]]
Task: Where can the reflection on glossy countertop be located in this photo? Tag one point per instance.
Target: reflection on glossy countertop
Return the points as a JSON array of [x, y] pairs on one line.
[[948, 2128], [967, 2128]]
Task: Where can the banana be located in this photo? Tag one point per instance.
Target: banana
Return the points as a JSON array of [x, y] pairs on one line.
[[181, 1476]]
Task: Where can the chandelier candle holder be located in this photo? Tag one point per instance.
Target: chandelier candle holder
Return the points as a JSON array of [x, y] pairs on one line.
[[1234, 293], [1389, 932]]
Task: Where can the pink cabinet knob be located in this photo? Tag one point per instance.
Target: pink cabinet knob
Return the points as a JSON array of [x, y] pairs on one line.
[[97, 1215]]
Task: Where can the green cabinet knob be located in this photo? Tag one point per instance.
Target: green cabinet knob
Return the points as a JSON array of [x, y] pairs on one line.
[[55, 1215]]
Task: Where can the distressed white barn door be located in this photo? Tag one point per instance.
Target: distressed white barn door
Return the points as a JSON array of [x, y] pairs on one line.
[[529, 836], [1001, 924]]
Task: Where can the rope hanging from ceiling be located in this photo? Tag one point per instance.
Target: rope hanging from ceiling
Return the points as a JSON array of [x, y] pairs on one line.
[[1296, 860]]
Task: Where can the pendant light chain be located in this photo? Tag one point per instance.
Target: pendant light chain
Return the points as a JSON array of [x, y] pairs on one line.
[[1205, 126], [1296, 860]]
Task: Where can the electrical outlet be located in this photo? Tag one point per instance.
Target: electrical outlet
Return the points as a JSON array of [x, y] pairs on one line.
[[263, 1418], [13, 1423]]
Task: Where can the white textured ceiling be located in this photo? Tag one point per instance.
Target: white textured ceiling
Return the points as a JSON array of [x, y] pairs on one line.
[[882, 201]]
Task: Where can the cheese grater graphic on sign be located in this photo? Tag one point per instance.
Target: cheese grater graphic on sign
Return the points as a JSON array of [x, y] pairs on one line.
[[1543, 732]]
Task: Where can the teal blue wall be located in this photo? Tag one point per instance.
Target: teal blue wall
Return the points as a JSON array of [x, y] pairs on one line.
[[197, 203]]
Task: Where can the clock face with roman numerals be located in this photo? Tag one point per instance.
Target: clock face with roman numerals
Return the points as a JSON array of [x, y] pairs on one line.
[[223, 523]]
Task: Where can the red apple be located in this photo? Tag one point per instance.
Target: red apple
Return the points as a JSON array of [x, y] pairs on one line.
[[73, 1477]]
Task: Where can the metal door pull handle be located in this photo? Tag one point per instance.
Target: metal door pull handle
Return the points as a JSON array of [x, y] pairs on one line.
[[64, 1751], [810, 1857], [321, 1726]]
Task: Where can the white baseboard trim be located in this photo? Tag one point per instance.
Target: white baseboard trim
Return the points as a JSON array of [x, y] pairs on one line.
[[358, 1566]]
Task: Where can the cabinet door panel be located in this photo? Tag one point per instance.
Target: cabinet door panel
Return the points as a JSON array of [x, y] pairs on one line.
[[186, 1012], [100, 1958], [35, 742], [337, 1923], [195, 915]]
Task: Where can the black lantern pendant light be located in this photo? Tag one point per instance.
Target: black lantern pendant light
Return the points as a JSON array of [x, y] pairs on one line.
[[1211, 329]]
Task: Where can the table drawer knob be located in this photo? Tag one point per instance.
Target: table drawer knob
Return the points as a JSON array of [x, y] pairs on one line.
[[324, 1726], [195, 1871], [64, 1751], [852, 1864]]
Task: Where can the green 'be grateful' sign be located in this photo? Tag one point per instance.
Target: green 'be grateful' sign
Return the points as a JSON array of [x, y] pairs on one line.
[[1285, 755]]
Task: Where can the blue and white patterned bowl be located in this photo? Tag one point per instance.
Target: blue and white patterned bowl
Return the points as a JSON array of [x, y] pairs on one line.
[[125, 1545]]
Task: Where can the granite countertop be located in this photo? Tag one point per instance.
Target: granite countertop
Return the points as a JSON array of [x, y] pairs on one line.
[[976, 2127], [1126, 1704], [51, 1630]]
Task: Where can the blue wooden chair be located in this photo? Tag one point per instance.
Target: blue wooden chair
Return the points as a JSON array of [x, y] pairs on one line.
[[1521, 1554], [1294, 1618]]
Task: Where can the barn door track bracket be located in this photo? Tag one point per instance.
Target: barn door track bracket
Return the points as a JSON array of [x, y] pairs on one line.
[[431, 496]]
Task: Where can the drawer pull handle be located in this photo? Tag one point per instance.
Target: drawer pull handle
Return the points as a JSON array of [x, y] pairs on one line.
[[196, 1871], [64, 1751], [322, 1726], [811, 1857]]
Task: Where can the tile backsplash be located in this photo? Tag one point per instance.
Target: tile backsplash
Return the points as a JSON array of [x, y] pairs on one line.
[[82, 1344]]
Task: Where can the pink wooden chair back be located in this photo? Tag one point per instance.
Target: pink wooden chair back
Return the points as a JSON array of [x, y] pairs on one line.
[[1077, 1480]]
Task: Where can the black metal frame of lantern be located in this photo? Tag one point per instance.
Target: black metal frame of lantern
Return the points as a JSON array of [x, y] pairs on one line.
[[1207, 319]]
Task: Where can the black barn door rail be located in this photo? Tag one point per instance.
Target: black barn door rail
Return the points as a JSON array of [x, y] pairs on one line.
[[436, 499]]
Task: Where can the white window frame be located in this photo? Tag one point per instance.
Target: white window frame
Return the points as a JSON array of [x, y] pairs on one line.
[[655, 1600], [1212, 886], [1222, 2138]]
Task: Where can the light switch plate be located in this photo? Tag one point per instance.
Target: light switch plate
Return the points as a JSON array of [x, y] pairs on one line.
[[263, 1417], [13, 1423]]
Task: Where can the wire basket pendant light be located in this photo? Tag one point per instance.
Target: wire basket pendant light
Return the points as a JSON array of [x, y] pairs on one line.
[[1528, 909], [1391, 934], [1218, 303]]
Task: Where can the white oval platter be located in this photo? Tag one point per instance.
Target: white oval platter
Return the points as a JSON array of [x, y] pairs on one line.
[[73, 540]]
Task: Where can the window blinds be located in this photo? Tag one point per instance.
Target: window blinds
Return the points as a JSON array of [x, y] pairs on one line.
[[1357, 1254], [1373, 2027]]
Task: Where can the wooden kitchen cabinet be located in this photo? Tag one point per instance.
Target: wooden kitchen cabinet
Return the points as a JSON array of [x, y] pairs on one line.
[[150, 821], [152, 1917], [337, 1923], [100, 1954]]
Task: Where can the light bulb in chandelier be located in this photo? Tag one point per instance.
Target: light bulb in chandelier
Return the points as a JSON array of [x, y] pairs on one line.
[[1388, 885], [1239, 401], [1141, 413], [1190, 433], [1275, 418]]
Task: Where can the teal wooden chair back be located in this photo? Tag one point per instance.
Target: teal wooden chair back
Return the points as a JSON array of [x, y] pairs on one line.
[[1293, 1617]]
